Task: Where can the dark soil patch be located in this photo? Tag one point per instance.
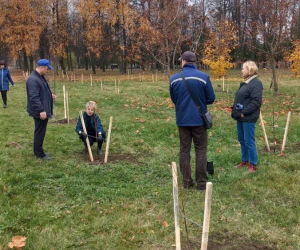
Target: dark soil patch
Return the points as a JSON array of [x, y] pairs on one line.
[[65, 121], [218, 242], [112, 158]]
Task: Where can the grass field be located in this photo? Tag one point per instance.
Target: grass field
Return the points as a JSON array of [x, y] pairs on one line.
[[127, 203]]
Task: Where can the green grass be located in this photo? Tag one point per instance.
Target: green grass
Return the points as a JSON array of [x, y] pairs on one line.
[[70, 204]]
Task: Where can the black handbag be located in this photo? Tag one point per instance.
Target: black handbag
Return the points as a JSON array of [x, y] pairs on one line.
[[207, 118]]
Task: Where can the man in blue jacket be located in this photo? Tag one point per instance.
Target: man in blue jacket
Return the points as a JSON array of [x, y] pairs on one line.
[[188, 119], [40, 105]]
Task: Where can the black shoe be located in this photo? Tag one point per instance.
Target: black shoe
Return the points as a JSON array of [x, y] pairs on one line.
[[187, 186], [4, 105], [99, 152], [200, 188], [46, 158]]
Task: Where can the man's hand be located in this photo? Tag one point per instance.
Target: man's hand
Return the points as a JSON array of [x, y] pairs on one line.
[[53, 96], [242, 115], [43, 115]]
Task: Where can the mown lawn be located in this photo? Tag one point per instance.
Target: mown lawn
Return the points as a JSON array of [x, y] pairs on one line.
[[127, 204]]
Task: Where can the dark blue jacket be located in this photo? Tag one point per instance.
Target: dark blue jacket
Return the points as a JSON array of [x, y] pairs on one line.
[[5, 78], [200, 85], [250, 96], [92, 123], [39, 96]]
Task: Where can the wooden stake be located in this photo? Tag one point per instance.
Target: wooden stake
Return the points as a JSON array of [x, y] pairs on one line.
[[74, 78], [140, 77], [152, 77], [264, 130], [101, 85], [119, 87], [91, 80], [128, 75], [87, 139], [67, 76], [206, 219], [223, 84], [108, 139], [65, 107], [286, 131], [143, 76], [115, 85], [81, 78], [176, 206]]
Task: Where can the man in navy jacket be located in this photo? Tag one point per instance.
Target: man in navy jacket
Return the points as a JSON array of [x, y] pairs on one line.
[[188, 118], [40, 105]]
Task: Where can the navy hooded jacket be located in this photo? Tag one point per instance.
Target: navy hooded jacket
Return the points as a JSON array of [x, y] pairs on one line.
[[92, 124], [5, 78], [187, 113]]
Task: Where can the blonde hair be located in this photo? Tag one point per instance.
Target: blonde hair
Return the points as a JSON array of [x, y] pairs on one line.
[[92, 105], [252, 67]]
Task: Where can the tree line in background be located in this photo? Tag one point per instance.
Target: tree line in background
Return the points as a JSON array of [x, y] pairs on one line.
[[150, 33]]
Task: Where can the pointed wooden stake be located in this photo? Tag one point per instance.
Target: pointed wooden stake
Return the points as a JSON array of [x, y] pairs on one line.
[[176, 206], [87, 139], [206, 219], [264, 130], [286, 131], [108, 139]]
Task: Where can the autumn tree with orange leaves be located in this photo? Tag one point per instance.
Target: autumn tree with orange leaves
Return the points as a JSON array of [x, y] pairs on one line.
[[22, 23], [218, 47]]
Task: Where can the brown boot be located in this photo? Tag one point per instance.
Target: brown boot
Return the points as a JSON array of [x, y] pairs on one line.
[[252, 168], [242, 164]]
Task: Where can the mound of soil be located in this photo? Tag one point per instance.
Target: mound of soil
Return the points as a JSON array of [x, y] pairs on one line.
[[64, 121], [228, 243]]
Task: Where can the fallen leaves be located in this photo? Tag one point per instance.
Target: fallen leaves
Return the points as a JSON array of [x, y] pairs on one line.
[[165, 224], [17, 242]]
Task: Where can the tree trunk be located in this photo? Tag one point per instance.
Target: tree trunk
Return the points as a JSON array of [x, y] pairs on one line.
[[61, 63], [275, 83], [86, 62], [25, 61], [30, 63]]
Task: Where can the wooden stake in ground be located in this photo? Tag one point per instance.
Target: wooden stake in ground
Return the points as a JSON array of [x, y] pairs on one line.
[[128, 75], [286, 131], [223, 84], [87, 139], [140, 77], [65, 105], [264, 130], [152, 77], [81, 78], [206, 219], [116, 85], [101, 85], [67, 76], [176, 206], [91, 80], [108, 139], [143, 76], [119, 87]]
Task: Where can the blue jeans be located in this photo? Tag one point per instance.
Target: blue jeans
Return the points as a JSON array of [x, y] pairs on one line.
[[246, 136]]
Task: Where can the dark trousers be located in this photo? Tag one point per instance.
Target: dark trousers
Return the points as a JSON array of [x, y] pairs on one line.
[[4, 96], [39, 136], [92, 140], [198, 135]]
